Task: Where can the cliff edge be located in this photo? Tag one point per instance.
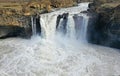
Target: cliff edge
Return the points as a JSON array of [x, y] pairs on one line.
[[107, 27]]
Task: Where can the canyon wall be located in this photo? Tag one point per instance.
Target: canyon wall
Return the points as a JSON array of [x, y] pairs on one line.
[[107, 27]]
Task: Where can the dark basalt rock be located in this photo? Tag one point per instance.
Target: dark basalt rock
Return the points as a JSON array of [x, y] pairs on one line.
[[105, 30], [62, 28], [38, 25], [14, 31], [92, 32], [14, 26]]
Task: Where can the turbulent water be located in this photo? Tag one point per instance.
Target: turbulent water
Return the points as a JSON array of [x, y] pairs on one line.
[[55, 54]]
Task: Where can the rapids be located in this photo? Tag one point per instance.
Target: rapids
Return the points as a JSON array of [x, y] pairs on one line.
[[58, 57], [55, 54]]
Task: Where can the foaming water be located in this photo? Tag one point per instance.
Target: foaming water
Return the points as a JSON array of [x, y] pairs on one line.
[[56, 57], [66, 24], [53, 54]]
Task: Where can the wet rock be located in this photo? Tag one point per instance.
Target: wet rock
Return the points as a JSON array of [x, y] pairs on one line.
[[108, 23], [63, 25], [13, 31], [12, 26], [93, 34]]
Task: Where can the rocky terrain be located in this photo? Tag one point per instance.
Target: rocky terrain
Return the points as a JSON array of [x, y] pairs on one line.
[[107, 27]]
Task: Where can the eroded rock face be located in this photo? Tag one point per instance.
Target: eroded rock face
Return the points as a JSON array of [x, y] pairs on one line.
[[12, 26], [14, 20], [108, 22], [13, 31]]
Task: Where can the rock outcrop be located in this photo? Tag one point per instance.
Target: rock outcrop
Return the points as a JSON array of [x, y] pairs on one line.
[[107, 27], [12, 26]]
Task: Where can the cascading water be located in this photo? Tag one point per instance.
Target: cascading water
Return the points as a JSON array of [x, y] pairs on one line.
[[48, 24], [66, 26], [58, 55], [81, 23], [36, 25], [33, 24], [71, 27]]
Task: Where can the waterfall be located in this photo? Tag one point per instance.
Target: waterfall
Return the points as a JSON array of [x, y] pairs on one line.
[[84, 28], [36, 25], [67, 25], [71, 27], [59, 48], [62, 22], [60, 25], [43, 27], [81, 22], [48, 25], [33, 24]]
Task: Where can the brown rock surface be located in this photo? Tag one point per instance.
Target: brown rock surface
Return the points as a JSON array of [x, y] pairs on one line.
[[11, 10]]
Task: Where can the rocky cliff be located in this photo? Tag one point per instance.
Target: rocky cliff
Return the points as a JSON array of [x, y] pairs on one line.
[[17, 14], [107, 27]]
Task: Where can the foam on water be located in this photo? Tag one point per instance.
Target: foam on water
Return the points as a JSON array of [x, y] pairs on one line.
[[57, 55]]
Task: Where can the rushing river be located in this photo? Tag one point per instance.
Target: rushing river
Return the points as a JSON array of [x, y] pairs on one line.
[[58, 53]]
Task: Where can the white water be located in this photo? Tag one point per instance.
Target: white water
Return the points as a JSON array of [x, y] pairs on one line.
[[33, 24], [48, 22], [71, 27], [55, 55], [83, 30], [58, 57]]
